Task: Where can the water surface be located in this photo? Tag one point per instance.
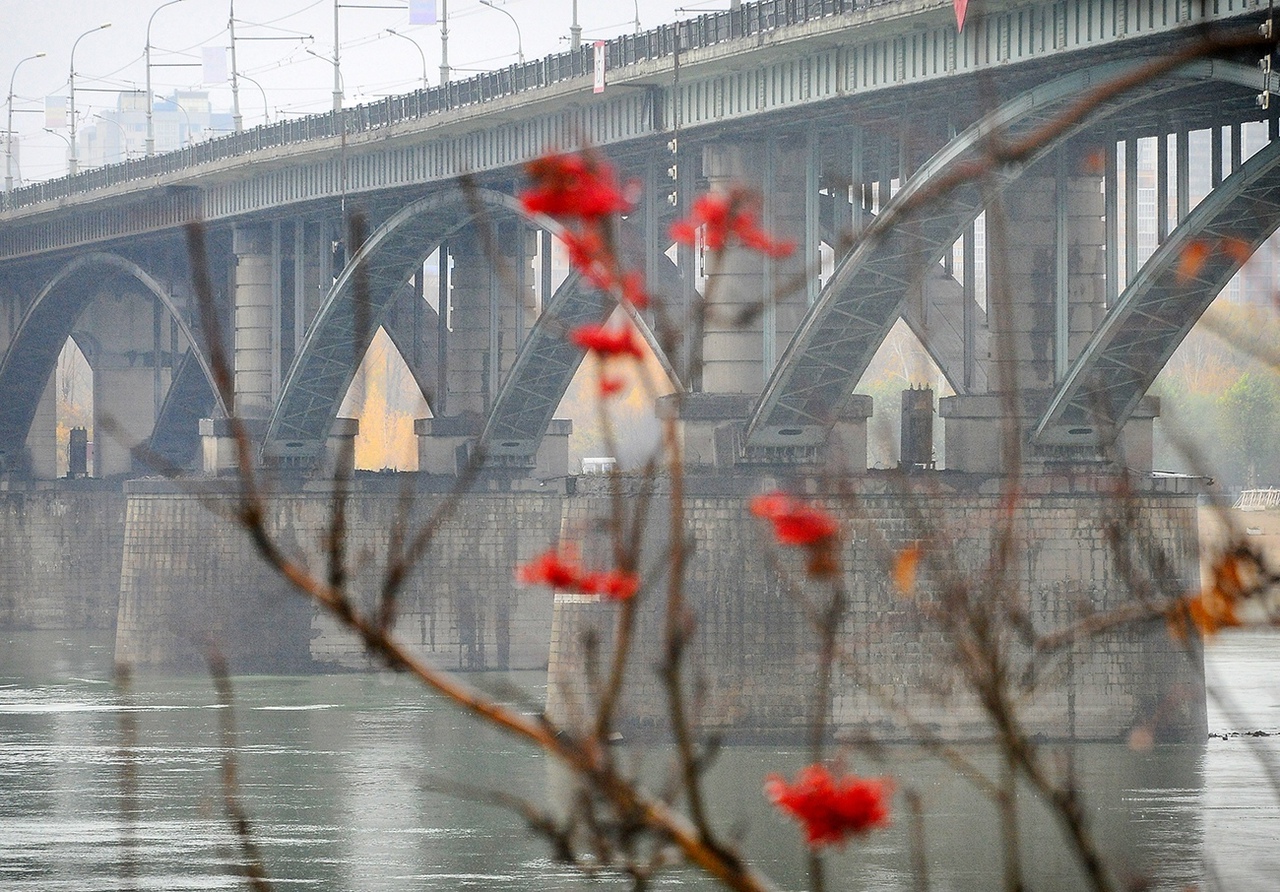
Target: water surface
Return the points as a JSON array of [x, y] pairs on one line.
[[338, 772]]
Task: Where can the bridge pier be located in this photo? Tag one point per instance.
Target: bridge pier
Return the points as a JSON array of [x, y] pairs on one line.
[[753, 306], [487, 306], [42, 438], [1047, 264], [256, 309], [752, 655], [130, 376]]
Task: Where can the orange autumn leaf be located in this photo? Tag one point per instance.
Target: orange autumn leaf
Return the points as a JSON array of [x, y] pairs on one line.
[[1192, 260], [1094, 163], [1235, 577], [1237, 249], [905, 565]]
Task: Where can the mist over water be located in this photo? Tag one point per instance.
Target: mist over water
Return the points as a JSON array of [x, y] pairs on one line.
[[338, 772]]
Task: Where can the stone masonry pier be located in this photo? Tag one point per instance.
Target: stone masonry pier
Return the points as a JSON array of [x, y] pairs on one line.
[[188, 578]]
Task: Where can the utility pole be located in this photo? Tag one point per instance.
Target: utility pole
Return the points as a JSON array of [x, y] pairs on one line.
[[8, 152], [337, 64], [237, 121], [444, 42]]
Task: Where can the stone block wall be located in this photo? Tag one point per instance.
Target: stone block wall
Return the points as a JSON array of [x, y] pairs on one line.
[[187, 578], [190, 577], [60, 560], [752, 657]]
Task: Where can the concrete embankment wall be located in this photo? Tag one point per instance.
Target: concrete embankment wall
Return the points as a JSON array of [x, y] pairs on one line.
[[192, 578], [60, 549], [752, 651]]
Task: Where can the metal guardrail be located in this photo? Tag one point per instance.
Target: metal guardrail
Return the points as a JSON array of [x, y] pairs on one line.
[[656, 43], [1258, 499]]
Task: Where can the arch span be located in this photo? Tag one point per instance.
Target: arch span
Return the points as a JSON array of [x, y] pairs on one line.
[[843, 329], [547, 363], [1161, 305], [336, 342], [48, 323]]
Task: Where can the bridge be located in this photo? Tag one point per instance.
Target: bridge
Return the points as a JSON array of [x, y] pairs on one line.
[[877, 135]]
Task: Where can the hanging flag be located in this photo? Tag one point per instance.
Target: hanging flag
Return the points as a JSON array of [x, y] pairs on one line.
[[55, 112], [600, 54], [961, 7], [422, 12], [213, 65]]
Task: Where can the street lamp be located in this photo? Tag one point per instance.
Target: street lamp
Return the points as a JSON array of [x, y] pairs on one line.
[[421, 54], [636, 4], [8, 146], [124, 139], [337, 64], [337, 94], [266, 111], [151, 130], [73, 163], [444, 41], [519, 40]]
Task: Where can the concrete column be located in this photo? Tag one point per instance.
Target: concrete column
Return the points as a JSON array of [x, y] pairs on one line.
[[515, 246], [1036, 338], [1024, 340], [491, 306], [121, 397], [749, 316], [312, 276], [42, 439], [126, 379], [468, 344], [255, 290]]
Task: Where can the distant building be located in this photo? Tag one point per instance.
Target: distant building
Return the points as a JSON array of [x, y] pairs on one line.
[[184, 118], [1256, 284]]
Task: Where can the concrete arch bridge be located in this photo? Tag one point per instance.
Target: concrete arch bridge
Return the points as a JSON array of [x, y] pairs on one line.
[[1094, 140]]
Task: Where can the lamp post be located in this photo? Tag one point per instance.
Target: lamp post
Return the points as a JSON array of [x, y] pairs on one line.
[[337, 65], [421, 54], [151, 130], [124, 139], [8, 144], [636, 4], [444, 42], [575, 30], [266, 111], [73, 163], [519, 40], [338, 93]]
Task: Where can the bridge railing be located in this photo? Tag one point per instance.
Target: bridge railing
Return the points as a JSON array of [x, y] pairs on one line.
[[656, 43]]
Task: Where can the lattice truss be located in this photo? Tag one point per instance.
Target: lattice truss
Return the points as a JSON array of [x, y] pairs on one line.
[[50, 320], [865, 295], [1164, 301], [369, 285]]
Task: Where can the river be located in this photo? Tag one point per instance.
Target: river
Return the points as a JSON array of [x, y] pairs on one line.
[[337, 775]]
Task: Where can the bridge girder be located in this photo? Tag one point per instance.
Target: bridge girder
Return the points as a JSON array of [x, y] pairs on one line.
[[843, 329], [50, 320]]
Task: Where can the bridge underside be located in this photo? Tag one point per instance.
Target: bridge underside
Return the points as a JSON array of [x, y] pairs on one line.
[[892, 196]]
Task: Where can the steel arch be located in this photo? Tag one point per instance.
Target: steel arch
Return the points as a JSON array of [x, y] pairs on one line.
[[322, 372], [1161, 305], [547, 363], [45, 328], [843, 329]]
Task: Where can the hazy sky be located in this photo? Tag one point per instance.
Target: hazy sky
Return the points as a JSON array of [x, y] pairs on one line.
[[374, 63]]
